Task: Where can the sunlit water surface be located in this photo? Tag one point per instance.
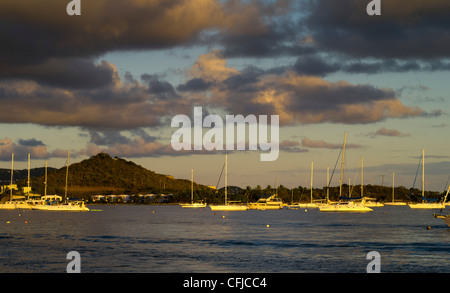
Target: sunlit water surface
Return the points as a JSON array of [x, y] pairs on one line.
[[129, 238]]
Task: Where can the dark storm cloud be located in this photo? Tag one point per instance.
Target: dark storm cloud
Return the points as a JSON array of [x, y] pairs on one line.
[[64, 73], [194, 85], [30, 142], [418, 29], [161, 88]]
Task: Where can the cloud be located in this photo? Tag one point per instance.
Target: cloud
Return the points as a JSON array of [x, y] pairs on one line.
[[291, 146], [410, 30], [36, 148], [308, 143], [129, 104], [388, 132]]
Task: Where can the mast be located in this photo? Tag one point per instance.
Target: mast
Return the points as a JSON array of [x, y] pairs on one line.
[[226, 179], [28, 182], [192, 185], [423, 175], [362, 177], [45, 183], [312, 167], [342, 165], [67, 177], [393, 185], [328, 184], [12, 170]]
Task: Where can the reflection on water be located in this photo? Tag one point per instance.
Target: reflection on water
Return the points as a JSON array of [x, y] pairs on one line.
[[171, 239]]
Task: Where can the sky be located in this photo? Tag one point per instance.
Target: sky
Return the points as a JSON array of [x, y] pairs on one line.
[[111, 80]]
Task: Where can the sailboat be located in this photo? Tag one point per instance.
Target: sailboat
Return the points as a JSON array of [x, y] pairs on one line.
[[446, 218], [394, 203], [310, 204], [193, 204], [69, 206], [15, 202], [425, 204], [227, 206], [369, 202], [349, 206]]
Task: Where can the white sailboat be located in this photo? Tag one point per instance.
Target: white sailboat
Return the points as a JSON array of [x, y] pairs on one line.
[[14, 202], [193, 204], [424, 204], [67, 206], [310, 204], [228, 206], [369, 202], [348, 206], [394, 203], [44, 201]]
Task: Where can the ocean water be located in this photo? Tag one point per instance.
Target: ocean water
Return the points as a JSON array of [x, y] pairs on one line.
[[170, 239]]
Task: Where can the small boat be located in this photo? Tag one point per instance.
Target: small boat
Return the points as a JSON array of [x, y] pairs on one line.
[[371, 202], [228, 206], [393, 202], [70, 206], [350, 206], [193, 204], [14, 202], [272, 202], [48, 204], [446, 218], [344, 206], [426, 203]]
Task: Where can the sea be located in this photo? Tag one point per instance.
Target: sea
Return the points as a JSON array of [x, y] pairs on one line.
[[171, 239]]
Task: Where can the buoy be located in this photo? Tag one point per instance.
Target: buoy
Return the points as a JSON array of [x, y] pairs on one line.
[[223, 217], [267, 226], [428, 228], [306, 211], [153, 212], [26, 222], [8, 222]]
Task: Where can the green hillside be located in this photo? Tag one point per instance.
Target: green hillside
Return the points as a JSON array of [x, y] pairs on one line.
[[102, 174]]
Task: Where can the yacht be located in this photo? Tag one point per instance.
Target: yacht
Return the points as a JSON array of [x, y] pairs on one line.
[[426, 204], [70, 206], [348, 206], [228, 206], [56, 203], [267, 203], [393, 202], [14, 202], [193, 204]]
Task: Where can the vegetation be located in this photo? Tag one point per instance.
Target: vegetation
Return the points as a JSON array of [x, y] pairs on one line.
[[104, 175]]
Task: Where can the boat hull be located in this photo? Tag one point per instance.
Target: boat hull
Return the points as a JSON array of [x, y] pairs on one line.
[[193, 205], [426, 205], [11, 205], [229, 208], [256, 206], [395, 203], [345, 208]]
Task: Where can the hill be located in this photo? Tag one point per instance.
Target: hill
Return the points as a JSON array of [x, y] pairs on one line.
[[102, 174]]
